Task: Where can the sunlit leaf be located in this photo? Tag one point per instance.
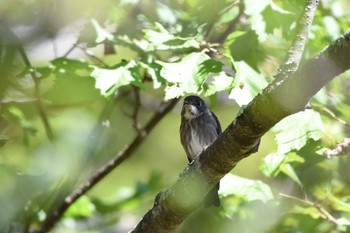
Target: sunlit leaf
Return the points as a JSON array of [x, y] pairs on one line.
[[250, 190], [219, 83], [109, 80], [293, 132], [102, 34], [248, 83], [274, 164], [160, 39], [188, 74], [153, 70]]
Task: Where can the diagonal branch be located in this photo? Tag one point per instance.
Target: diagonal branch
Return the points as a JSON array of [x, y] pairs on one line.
[[238, 140], [38, 101], [122, 155]]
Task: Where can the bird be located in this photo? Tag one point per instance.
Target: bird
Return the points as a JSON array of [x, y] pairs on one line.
[[198, 129]]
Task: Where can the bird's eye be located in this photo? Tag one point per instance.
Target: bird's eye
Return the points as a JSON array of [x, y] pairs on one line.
[[199, 104]]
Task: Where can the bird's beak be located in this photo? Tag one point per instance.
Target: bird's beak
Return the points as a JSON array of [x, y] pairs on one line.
[[185, 108]]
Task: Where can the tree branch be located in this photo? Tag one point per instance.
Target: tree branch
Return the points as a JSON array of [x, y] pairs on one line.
[[12, 45], [296, 50], [318, 206], [238, 140], [38, 103], [122, 155]]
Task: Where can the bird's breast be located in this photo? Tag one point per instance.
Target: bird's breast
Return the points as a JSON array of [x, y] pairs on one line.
[[196, 144]]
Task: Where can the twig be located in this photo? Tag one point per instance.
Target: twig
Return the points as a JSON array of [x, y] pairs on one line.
[[74, 46], [38, 102], [91, 55], [135, 113], [323, 109], [342, 148], [122, 155], [295, 51], [317, 205]]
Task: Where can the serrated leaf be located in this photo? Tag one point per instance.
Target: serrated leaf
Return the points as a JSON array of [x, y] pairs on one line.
[[188, 74], [83, 207], [254, 11], [109, 80], [160, 39], [293, 132], [248, 84], [250, 190], [153, 70], [220, 82]]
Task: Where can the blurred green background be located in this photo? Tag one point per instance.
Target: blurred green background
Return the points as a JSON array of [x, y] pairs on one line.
[[67, 41]]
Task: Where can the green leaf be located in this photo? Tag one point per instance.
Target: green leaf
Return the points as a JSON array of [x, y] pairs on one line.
[[68, 81], [83, 207], [277, 18], [240, 46], [339, 204], [219, 83], [293, 132], [227, 15], [290, 172], [153, 70], [273, 164], [109, 80], [311, 211], [160, 39], [248, 83], [254, 11], [102, 34], [250, 190], [188, 74]]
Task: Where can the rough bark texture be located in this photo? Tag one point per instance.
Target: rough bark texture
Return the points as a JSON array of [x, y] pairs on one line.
[[277, 101]]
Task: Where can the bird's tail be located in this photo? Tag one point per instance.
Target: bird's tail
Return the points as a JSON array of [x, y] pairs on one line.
[[212, 198]]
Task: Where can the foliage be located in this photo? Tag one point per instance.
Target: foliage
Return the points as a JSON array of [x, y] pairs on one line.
[[95, 93]]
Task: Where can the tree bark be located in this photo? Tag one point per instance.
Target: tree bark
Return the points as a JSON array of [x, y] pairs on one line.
[[277, 101]]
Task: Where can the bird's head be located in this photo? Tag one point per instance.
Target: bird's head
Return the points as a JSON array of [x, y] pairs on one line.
[[193, 106]]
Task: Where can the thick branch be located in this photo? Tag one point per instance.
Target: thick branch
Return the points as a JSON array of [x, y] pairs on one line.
[[52, 219], [236, 142]]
